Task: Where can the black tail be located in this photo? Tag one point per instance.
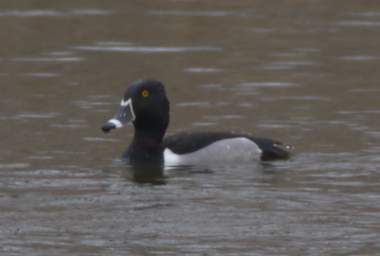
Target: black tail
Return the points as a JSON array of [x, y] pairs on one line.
[[273, 150]]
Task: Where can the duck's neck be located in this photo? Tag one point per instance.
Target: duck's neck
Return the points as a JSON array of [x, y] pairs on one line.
[[148, 139], [146, 146]]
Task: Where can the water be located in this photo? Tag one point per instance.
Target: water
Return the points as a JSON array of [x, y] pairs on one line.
[[304, 72]]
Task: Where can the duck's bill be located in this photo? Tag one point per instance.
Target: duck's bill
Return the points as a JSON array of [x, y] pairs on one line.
[[124, 115]]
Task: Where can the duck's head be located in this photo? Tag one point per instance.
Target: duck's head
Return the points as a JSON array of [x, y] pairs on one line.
[[145, 105]]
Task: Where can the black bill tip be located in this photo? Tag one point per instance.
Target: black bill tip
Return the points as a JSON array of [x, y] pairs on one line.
[[107, 127]]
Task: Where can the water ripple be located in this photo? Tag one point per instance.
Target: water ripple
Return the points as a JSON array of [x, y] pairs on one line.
[[223, 117], [359, 23], [69, 126], [198, 13], [203, 70], [359, 58], [148, 49], [278, 65], [366, 14], [41, 74], [365, 90], [303, 98], [92, 102], [249, 87], [34, 115], [359, 112], [99, 139], [193, 104], [266, 84], [47, 59], [14, 165], [54, 13]]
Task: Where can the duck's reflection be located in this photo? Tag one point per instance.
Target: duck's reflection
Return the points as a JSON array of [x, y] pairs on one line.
[[146, 174]]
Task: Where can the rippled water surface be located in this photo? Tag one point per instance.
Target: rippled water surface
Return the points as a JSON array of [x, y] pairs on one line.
[[303, 72]]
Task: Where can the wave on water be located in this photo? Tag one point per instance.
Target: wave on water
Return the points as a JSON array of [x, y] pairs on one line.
[[54, 13]]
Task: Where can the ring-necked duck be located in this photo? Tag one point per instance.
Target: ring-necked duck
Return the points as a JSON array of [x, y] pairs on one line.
[[145, 105]]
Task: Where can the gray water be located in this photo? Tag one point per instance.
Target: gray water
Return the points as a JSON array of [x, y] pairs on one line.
[[303, 72]]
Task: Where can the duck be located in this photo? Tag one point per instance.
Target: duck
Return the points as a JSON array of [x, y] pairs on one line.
[[145, 104]]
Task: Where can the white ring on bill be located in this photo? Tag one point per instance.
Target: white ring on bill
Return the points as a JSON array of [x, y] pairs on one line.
[[116, 122]]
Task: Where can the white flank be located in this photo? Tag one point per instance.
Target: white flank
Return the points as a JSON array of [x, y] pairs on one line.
[[234, 150]]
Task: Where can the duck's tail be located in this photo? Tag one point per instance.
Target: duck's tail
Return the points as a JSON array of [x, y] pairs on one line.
[[273, 150]]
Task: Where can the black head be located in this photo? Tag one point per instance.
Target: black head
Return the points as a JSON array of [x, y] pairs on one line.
[[145, 105]]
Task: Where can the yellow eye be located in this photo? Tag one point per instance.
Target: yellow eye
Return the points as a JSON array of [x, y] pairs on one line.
[[145, 93]]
